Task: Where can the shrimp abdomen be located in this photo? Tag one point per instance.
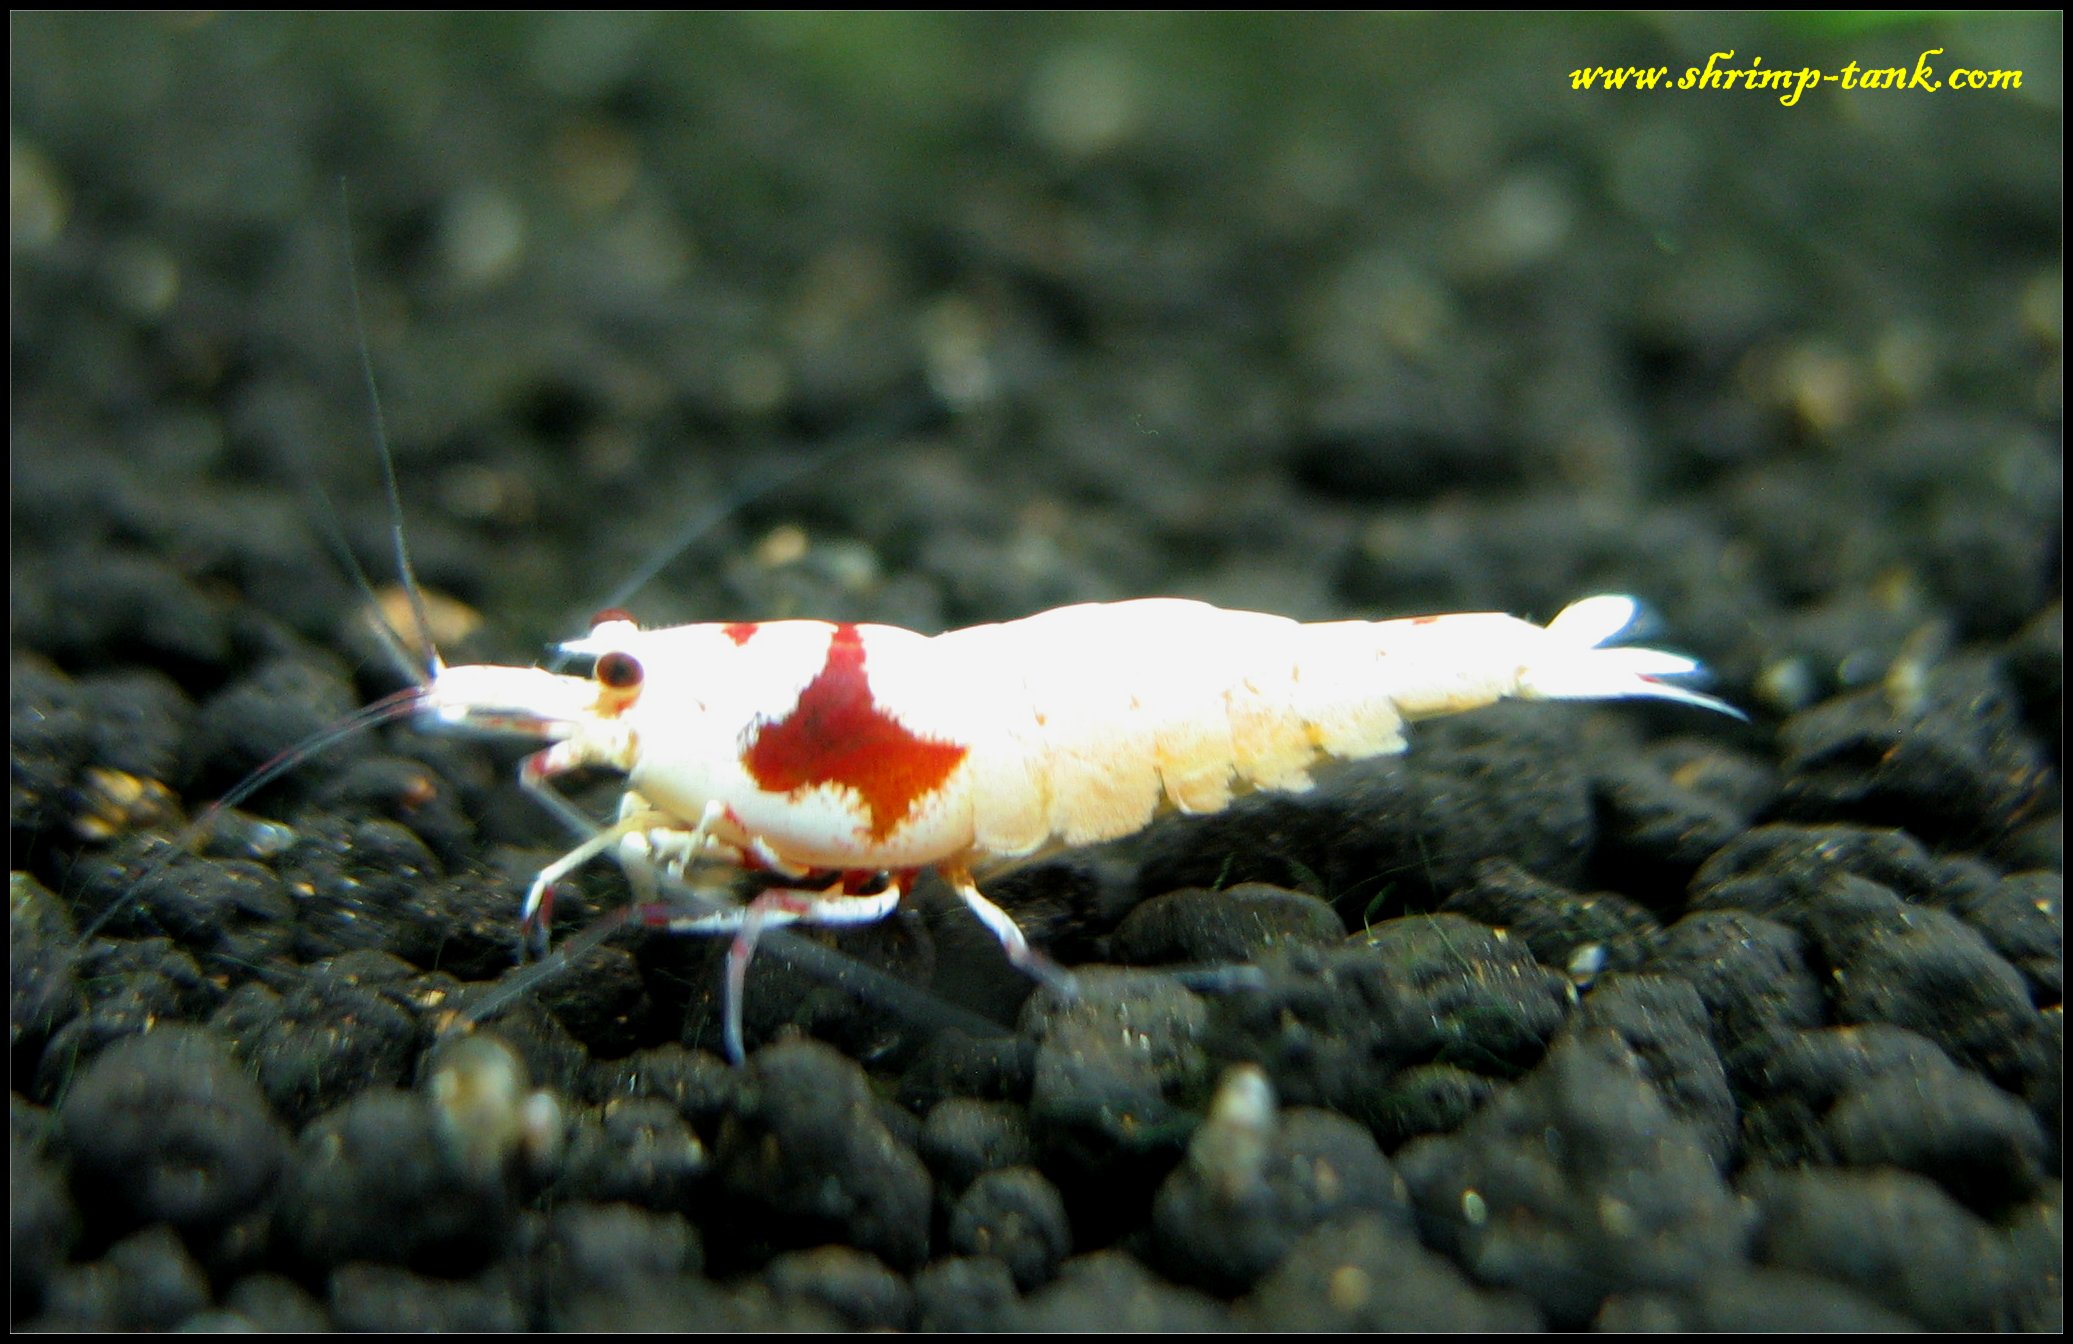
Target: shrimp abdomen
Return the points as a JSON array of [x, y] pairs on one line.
[[1105, 714]]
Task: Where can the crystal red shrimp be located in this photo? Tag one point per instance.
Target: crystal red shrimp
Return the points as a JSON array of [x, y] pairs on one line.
[[846, 759]]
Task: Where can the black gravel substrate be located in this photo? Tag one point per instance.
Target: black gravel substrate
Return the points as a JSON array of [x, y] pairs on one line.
[[1603, 1016]]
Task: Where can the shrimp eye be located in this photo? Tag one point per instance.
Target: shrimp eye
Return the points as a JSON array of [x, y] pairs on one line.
[[619, 671]]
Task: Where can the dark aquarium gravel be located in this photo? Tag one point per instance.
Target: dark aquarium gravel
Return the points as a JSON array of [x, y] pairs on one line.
[[1621, 1016]]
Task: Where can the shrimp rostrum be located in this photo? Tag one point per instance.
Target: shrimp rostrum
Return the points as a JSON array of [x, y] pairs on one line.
[[843, 760]]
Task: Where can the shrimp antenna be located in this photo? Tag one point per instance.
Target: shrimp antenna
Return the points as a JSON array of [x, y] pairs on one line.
[[382, 711], [385, 710], [421, 673], [912, 413]]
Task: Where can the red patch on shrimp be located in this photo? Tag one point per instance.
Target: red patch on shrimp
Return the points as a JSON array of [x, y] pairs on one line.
[[838, 734], [740, 631]]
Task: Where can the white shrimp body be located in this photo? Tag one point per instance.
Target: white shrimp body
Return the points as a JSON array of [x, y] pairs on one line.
[[867, 747]]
